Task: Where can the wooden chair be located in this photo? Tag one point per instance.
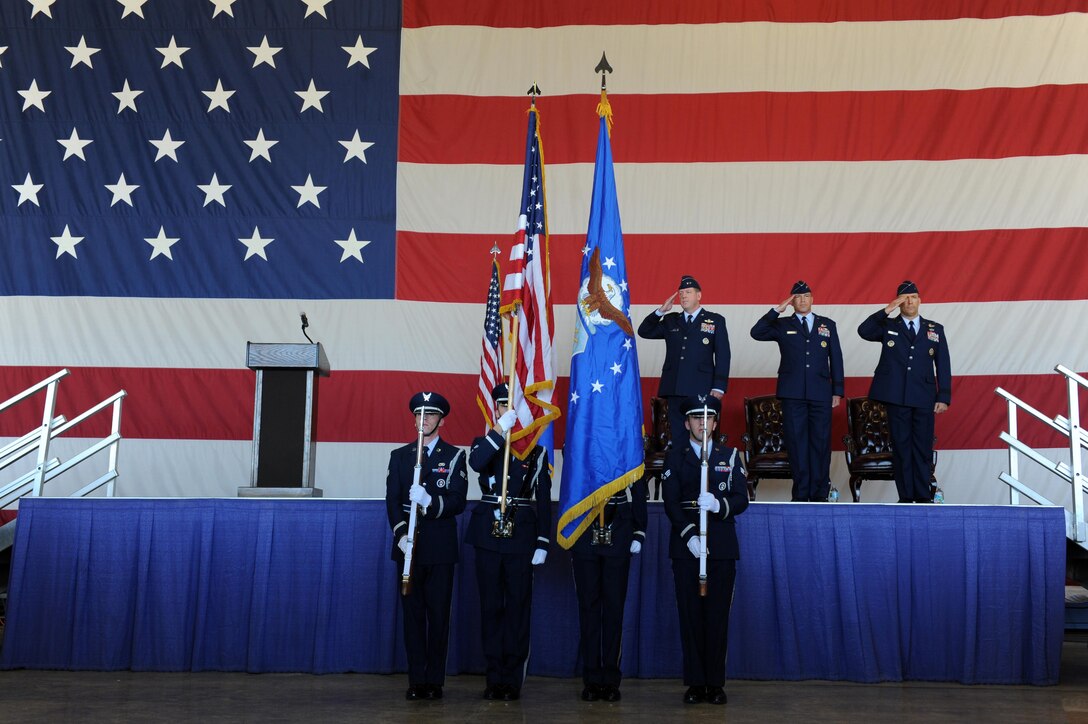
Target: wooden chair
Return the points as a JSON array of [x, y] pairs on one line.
[[764, 442], [869, 445], [657, 443]]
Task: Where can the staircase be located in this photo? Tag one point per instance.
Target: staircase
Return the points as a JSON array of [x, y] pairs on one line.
[[1071, 471], [37, 441]]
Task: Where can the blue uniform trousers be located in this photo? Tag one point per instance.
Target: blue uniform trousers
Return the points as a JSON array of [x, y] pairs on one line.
[[807, 427], [911, 429]]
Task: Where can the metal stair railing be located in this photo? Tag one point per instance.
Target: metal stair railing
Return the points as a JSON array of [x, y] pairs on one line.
[[38, 440], [1072, 472]]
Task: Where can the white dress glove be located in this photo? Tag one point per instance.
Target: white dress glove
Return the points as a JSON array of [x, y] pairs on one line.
[[635, 547], [539, 556], [402, 543], [693, 545], [709, 503], [506, 422], [418, 495]]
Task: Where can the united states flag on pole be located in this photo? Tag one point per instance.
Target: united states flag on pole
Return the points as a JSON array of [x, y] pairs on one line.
[[492, 368], [526, 298]]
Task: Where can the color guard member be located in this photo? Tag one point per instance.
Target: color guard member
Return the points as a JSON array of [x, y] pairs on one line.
[[440, 495], [505, 556]]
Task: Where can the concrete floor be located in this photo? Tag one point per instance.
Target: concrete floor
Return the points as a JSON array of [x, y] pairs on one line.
[[57, 696]]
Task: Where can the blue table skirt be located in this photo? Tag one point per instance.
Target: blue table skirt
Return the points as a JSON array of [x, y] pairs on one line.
[[842, 592]]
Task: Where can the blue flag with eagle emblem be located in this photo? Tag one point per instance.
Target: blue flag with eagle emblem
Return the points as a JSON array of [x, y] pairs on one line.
[[604, 448]]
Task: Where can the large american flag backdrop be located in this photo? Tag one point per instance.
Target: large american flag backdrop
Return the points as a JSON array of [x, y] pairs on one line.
[[177, 178]]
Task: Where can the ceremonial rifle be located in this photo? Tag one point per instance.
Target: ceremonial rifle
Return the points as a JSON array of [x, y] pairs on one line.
[[413, 516], [704, 487]]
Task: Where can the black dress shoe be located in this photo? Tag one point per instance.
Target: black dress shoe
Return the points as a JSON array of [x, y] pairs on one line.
[[716, 695], [694, 695], [610, 693], [433, 692], [509, 693], [414, 693], [592, 692], [492, 692]]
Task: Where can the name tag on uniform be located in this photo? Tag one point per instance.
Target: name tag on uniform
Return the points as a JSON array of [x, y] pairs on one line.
[[895, 333], [791, 331]]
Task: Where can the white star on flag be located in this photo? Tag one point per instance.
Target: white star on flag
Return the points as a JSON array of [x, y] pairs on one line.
[[260, 146], [573, 398], [132, 7], [609, 262], [315, 6], [623, 284], [42, 6], [255, 244], [358, 53], [264, 53], [34, 97], [307, 193], [311, 97], [585, 249], [81, 53], [66, 243], [627, 344], [597, 386], [218, 98], [160, 245], [28, 191], [213, 191], [223, 6], [171, 54], [122, 191], [166, 146], [74, 145], [352, 247], [126, 98], [356, 147], [616, 369]]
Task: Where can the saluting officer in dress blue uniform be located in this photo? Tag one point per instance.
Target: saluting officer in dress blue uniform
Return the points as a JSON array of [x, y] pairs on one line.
[[441, 497], [704, 621], [696, 351], [914, 381], [504, 566], [810, 383], [601, 558]]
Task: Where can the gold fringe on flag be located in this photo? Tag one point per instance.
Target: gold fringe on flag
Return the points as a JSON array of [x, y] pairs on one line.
[[604, 110]]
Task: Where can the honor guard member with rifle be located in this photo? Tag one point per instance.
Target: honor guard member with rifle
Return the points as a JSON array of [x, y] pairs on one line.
[[704, 488], [601, 558], [424, 492], [810, 383], [914, 381], [696, 351], [510, 529]]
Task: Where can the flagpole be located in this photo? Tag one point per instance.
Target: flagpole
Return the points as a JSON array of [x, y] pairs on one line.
[[603, 109], [510, 405]]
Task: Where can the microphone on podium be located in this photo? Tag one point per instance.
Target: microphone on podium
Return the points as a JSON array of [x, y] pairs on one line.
[[305, 324]]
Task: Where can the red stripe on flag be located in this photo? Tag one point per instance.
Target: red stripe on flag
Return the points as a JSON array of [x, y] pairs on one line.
[[506, 14], [1004, 265], [831, 126], [364, 406]]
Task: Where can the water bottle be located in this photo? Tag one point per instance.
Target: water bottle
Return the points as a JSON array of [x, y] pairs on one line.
[[833, 496], [938, 497]]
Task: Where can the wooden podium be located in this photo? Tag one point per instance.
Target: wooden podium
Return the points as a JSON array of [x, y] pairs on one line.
[[284, 419]]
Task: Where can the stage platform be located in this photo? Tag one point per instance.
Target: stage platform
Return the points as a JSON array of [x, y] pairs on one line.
[[865, 593]]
